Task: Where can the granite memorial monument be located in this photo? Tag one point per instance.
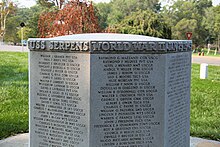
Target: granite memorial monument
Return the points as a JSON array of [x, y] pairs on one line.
[[109, 90]]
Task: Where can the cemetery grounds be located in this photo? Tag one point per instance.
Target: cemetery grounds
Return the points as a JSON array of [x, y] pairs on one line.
[[205, 98]]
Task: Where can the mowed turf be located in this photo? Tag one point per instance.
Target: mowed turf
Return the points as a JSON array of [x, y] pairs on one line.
[[205, 98], [205, 103], [13, 93]]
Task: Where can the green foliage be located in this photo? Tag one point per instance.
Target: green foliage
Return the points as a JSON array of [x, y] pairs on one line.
[[183, 26], [11, 28], [181, 17], [45, 3], [211, 22], [187, 16], [26, 33], [196, 16], [202, 5], [103, 10], [119, 9], [29, 16], [13, 93], [146, 23], [32, 22]]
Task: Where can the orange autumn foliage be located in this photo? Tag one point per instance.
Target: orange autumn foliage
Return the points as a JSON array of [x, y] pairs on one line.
[[75, 18]]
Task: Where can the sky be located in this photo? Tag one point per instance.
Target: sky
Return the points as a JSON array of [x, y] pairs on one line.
[[29, 3]]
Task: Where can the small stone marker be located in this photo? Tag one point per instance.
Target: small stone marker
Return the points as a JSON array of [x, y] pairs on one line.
[[203, 71], [109, 90]]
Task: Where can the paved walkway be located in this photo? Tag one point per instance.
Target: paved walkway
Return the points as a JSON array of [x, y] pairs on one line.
[[12, 48], [199, 142], [22, 141], [206, 59]]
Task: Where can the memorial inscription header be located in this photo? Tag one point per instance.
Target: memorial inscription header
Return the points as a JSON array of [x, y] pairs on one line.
[[160, 46]]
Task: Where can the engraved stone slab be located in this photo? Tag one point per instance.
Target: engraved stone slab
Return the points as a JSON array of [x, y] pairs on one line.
[[109, 90], [59, 99]]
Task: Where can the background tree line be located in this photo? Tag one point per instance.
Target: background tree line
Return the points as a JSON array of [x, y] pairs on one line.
[[127, 16]]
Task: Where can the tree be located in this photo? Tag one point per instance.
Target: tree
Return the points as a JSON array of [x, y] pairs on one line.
[[146, 23], [11, 28], [76, 17], [103, 10], [202, 5], [187, 16], [29, 16], [122, 8], [26, 33], [183, 26], [32, 21], [13, 24], [211, 22], [6, 6]]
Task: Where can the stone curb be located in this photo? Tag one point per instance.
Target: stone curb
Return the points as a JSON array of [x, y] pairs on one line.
[[21, 140], [199, 142]]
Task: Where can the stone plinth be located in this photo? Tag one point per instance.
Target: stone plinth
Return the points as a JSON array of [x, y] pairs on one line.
[[109, 90]]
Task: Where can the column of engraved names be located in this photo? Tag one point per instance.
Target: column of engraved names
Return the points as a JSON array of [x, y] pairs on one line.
[[127, 98], [178, 87], [57, 109]]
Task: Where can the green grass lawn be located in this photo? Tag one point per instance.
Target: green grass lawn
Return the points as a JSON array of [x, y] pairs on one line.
[[205, 98], [13, 93], [211, 53], [205, 103]]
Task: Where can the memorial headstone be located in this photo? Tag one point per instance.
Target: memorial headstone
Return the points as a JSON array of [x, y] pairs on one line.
[[109, 90], [203, 71]]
